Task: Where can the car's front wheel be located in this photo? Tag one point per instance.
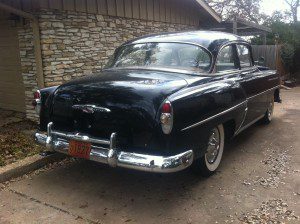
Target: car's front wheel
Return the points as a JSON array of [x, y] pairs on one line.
[[209, 163], [269, 113]]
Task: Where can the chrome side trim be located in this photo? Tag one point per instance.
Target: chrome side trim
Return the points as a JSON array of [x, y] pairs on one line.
[[228, 110], [276, 87], [212, 117], [244, 118], [272, 79], [113, 156], [248, 125], [240, 129], [196, 89]]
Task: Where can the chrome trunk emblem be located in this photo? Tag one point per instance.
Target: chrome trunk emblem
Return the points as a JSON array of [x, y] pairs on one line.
[[90, 109]]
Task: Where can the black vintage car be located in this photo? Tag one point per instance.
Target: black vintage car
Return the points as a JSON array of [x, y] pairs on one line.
[[162, 104]]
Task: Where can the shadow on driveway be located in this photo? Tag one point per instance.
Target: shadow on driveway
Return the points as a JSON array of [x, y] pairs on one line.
[[99, 193], [92, 190]]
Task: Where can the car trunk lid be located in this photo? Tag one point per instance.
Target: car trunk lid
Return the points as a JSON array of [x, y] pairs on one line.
[[122, 101]]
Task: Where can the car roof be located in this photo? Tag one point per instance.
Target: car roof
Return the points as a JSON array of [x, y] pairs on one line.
[[212, 40]]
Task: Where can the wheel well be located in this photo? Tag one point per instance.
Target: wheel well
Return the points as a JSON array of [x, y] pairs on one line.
[[229, 128]]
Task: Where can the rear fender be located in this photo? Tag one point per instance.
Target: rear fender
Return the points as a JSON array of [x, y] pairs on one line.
[[198, 109], [46, 99]]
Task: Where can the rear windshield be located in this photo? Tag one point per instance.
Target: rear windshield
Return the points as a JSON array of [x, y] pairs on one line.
[[162, 55]]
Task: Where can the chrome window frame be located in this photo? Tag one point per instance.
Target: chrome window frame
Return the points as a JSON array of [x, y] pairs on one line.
[[212, 61], [219, 52], [250, 55], [234, 43]]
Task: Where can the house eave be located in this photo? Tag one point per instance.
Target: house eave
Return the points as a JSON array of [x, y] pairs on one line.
[[212, 12]]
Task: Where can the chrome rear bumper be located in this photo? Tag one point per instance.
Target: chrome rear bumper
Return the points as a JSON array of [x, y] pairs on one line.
[[114, 157]]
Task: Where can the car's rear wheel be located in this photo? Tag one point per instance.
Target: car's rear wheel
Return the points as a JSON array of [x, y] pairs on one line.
[[209, 163], [269, 113]]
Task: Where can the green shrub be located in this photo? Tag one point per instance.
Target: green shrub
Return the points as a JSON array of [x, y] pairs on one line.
[[287, 55]]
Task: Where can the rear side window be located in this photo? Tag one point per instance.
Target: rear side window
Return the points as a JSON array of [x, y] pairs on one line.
[[225, 60], [244, 56]]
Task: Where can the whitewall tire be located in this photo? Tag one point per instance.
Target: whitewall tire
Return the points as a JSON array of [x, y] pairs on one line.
[[209, 163]]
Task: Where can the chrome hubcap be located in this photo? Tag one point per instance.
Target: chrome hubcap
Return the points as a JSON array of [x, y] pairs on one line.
[[213, 146], [270, 110]]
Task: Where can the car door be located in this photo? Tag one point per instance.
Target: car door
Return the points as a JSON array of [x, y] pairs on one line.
[[253, 82]]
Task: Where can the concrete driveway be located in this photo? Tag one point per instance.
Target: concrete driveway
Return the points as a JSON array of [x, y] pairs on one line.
[[258, 182]]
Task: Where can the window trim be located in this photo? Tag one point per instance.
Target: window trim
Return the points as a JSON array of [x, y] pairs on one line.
[[250, 54], [236, 60], [172, 42]]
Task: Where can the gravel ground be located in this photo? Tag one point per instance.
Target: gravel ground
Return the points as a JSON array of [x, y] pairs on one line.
[[272, 211], [258, 182]]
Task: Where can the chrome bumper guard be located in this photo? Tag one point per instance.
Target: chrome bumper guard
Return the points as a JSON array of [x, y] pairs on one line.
[[59, 141]]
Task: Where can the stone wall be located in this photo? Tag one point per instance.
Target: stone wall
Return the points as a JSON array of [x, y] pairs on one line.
[[76, 44], [28, 66]]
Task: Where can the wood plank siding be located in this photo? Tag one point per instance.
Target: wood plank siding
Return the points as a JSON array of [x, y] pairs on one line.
[[174, 11], [12, 92]]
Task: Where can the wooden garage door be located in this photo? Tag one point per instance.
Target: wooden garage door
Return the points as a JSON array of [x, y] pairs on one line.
[[12, 93]]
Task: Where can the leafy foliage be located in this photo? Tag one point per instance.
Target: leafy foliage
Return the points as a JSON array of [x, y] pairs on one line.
[[284, 24], [286, 34], [246, 9], [15, 144], [294, 5], [287, 55]]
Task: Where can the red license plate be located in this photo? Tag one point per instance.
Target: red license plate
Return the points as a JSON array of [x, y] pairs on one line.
[[80, 149]]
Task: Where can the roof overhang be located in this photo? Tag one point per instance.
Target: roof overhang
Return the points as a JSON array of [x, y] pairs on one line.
[[209, 10], [241, 27], [15, 11]]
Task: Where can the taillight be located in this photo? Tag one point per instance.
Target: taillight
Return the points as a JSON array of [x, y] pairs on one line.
[[36, 103], [166, 117], [37, 95], [166, 108]]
